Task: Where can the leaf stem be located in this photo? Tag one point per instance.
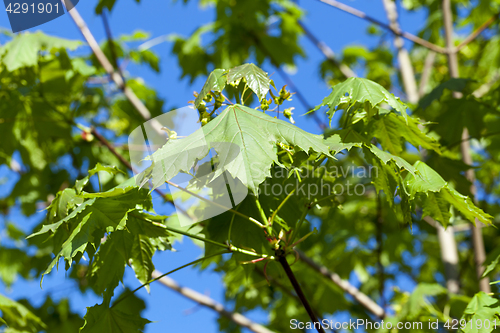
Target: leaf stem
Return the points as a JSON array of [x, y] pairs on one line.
[[280, 206], [299, 223], [230, 228], [229, 247], [263, 216], [172, 271], [242, 101], [289, 273], [233, 248]]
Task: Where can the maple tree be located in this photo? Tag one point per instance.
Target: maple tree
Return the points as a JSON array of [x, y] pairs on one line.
[[290, 253]]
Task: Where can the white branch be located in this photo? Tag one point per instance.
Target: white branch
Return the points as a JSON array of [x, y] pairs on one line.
[[108, 67], [426, 73], [210, 303], [405, 66]]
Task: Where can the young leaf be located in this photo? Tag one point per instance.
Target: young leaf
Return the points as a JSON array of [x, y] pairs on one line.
[[482, 308], [80, 184], [216, 82], [63, 202], [365, 92], [256, 78], [491, 261]]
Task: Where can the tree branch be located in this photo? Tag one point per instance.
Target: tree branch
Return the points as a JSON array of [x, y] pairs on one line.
[[300, 293], [284, 289], [405, 66], [360, 14], [119, 81], [210, 303], [477, 32], [477, 236], [360, 297], [108, 67], [426, 73], [111, 44], [449, 255], [327, 52]]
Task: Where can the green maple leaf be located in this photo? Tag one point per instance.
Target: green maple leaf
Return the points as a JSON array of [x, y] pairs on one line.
[[23, 49], [361, 92], [246, 143], [481, 308], [100, 318], [419, 298], [89, 221], [437, 196], [256, 78], [392, 130], [18, 317], [146, 237], [134, 246]]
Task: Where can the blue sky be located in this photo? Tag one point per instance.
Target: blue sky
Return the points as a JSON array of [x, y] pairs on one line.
[[173, 313]]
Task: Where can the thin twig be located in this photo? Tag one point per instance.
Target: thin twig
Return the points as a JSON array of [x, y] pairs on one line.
[[477, 32], [360, 14], [152, 42], [108, 67], [273, 215], [228, 246], [111, 43], [327, 52], [165, 274], [426, 72]]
